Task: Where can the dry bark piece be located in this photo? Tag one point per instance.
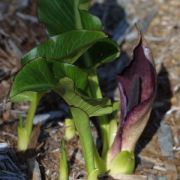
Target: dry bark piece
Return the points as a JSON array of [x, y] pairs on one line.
[[130, 177]]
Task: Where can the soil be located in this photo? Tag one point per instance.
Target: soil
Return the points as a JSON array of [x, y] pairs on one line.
[[158, 150]]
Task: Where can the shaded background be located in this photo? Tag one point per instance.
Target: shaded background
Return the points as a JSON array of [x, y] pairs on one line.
[[158, 150]]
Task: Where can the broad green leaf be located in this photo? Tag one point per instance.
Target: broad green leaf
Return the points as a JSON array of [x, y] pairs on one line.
[[35, 76], [24, 96], [59, 16], [93, 107], [67, 47], [78, 76], [82, 124], [90, 22], [40, 75], [103, 51]]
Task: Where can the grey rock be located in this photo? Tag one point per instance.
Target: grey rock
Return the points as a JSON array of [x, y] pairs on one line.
[[153, 177], [161, 178], [165, 139], [43, 118], [21, 4]]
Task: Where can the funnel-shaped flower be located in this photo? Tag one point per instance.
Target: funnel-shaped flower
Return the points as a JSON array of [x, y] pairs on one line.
[[137, 85]]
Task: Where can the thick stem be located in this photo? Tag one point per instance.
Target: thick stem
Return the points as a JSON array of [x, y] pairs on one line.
[[103, 121], [112, 130], [70, 130], [63, 164], [77, 15], [122, 163], [30, 116], [100, 164], [23, 138], [82, 124], [25, 130]]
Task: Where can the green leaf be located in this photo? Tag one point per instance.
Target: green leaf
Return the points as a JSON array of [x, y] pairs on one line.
[[35, 76], [78, 76], [25, 96], [103, 51], [90, 22], [40, 75], [93, 107], [59, 16], [83, 127], [67, 47]]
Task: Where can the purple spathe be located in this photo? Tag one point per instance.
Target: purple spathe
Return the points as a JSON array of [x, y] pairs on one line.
[[137, 86]]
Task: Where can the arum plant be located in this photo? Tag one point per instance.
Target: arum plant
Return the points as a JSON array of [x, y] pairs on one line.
[[137, 86], [87, 46], [67, 63]]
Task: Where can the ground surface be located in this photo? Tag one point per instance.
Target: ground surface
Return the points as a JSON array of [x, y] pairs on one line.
[[159, 147]]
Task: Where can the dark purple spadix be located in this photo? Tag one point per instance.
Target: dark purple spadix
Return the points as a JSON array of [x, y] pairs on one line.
[[137, 85]]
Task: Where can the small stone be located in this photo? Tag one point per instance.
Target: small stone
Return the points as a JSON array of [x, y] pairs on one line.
[[34, 168], [165, 140], [6, 115], [161, 178]]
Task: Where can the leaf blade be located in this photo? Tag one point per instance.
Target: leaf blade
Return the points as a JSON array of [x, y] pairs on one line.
[[78, 76], [89, 21], [59, 16], [103, 51], [67, 47], [35, 76], [93, 107]]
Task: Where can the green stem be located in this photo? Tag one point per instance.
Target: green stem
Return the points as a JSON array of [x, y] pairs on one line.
[[104, 129], [77, 15], [112, 130], [103, 121], [70, 130], [82, 124], [94, 84], [24, 131], [94, 175], [100, 164], [30, 116], [22, 138], [96, 93], [63, 165]]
